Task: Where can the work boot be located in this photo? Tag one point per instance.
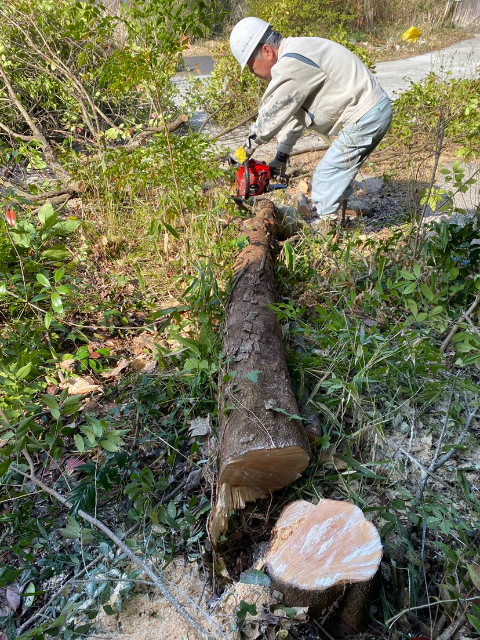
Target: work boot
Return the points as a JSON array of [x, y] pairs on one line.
[[325, 224]]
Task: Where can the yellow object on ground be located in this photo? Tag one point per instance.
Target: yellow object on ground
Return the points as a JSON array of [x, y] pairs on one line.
[[240, 154], [412, 34]]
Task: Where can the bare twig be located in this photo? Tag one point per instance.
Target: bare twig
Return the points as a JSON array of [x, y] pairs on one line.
[[250, 116], [438, 151], [470, 416], [456, 326], [473, 327], [212, 115], [129, 553], [454, 626], [423, 469], [396, 617]]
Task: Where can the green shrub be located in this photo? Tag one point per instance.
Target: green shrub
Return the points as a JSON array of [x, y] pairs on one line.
[[420, 110], [304, 17]]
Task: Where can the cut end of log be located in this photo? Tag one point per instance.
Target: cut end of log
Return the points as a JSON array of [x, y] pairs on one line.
[[266, 470], [228, 499], [318, 547]]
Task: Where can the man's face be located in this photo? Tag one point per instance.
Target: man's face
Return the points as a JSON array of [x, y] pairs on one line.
[[263, 67]]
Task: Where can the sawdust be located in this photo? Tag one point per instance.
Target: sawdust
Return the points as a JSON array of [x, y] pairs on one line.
[[148, 616]]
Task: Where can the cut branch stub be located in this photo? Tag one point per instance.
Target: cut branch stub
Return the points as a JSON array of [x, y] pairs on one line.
[[263, 445], [326, 556]]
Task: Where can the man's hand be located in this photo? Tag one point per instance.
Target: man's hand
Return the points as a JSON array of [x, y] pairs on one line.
[[279, 163]]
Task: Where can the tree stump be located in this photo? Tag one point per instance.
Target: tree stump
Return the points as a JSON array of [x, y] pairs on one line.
[[263, 445], [326, 557]]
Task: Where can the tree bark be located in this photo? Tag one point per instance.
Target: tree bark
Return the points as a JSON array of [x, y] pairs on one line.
[[326, 557], [263, 446]]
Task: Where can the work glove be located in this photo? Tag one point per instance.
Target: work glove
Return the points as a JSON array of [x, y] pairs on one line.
[[279, 163]]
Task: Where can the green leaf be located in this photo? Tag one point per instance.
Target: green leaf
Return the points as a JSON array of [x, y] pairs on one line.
[[55, 254], [251, 375], [72, 530], [42, 280], [47, 320], [29, 595], [407, 275], [187, 342], [47, 215], [410, 288], [290, 611], [254, 576], [171, 230], [427, 292], [475, 622], [58, 275], [289, 256], [65, 228], [23, 371], [79, 442], [108, 445], [245, 608], [50, 401], [412, 306], [4, 467], [417, 270], [57, 302], [109, 610], [474, 571], [3, 289], [10, 628]]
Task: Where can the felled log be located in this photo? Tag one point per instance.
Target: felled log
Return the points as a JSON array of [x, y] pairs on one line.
[[263, 446], [326, 557]]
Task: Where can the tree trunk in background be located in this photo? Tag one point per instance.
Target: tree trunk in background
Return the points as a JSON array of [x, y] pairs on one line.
[[367, 14], [263, 447]]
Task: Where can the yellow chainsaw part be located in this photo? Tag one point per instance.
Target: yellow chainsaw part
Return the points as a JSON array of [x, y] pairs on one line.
[[412, 34], [240, 154]]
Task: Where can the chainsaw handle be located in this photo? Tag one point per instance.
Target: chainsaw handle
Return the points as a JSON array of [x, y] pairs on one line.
[[247, 178], [277, 173]]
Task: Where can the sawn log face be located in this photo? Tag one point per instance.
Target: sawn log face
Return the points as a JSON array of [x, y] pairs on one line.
[[261, 446]]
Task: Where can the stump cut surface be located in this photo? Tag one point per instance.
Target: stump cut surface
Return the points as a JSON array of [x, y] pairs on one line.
[[319, 546]]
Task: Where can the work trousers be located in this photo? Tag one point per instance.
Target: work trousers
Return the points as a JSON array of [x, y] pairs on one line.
[[333, 178]]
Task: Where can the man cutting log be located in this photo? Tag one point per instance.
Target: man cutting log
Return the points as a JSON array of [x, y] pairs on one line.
[[319, 84]]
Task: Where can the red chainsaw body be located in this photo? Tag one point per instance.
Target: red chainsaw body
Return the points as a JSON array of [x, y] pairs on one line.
[[258, 179]]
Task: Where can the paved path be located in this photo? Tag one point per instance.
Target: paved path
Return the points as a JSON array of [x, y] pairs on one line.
[[461, 60]]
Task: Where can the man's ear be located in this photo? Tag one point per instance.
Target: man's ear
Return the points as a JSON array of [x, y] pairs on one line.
[[269, 52]]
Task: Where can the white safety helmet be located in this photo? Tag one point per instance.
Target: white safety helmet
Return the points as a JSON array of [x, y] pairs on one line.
[[245, 37]]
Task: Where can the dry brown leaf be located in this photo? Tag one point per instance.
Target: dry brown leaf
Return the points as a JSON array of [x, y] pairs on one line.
[[66, 364], [13, 596], [142, 365], [122, 364], [80, 386], [141, 342], [199, 427]]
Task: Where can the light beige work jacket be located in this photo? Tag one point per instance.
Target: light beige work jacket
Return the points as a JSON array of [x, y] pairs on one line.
[[315, 83]]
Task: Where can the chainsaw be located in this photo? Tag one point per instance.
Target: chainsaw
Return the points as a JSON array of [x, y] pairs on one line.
[[252, 178]]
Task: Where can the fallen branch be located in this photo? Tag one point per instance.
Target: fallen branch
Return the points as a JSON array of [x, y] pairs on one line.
[[205, 635], [250, 116]]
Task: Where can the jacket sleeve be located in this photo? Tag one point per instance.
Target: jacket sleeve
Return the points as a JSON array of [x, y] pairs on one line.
[[288, 136], [283, 98]]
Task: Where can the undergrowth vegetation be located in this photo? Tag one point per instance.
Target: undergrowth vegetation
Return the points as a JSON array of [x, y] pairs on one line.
[[113, 282]]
